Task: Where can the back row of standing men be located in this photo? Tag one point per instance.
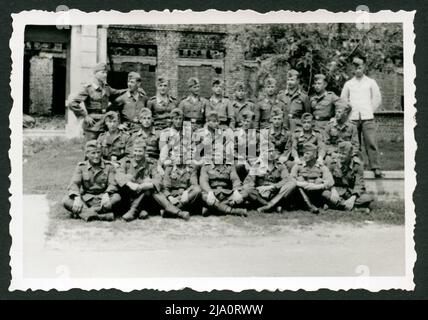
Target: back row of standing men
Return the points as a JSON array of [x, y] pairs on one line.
[[294, 121]]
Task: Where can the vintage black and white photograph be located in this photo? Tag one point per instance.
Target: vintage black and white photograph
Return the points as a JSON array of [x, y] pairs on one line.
[[212, 150]]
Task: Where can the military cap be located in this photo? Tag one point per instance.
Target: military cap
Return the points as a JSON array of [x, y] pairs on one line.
[[345, 147], [212, 113], [343, 105], [217, 82], [134, 75], [293, 73], [307, 116], [192, 82], [239, 85], [276, 112], [309, 147], [357, 61], [161, 80], [111, 115], [139, 143], [176, 112], [270, 81], [102, 66], [92, 145], [320, 77], [144, 111]]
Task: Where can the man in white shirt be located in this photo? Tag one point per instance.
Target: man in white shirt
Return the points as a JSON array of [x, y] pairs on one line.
[[363, 94]]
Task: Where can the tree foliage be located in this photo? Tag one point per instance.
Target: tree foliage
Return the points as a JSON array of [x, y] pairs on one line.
[[321, 48]]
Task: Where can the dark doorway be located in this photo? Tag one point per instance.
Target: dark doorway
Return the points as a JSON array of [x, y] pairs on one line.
[[26, 84], [117, 79], [58, 86]]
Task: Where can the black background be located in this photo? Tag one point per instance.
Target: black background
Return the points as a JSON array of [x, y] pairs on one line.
[[421, 132]]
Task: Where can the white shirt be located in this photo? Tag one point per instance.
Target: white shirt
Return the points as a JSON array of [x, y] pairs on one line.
[[364, 97]]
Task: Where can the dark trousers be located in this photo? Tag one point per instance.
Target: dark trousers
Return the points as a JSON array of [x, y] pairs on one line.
[[367, 131], [93, 206]]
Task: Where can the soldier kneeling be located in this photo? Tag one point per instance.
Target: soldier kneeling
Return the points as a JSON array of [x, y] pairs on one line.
[[92, 194], [349, 189], [269, 184], [139, 177]]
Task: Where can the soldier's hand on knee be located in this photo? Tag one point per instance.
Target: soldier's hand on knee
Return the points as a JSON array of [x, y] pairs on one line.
[[173, 200], [349, 204], [237, 197], [334, 197], [211, 199], [105, 201], [77, 205], [184, 196], [89, 120]]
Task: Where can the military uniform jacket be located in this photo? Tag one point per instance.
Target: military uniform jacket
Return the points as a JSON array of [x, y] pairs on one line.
[[246, 143], [323, 106], [299, 138], [129, 105], [171, 143], [263, 109], [316, 174], [95, 99], [281, 140], [240, 108], [117, 146], [219, 178], [152, 141], [88, 181], [335, 133], [348, 178], [194, 109], [296, 104], [132, 171], [224, 108], [205, 141], [161, 108], [178, 178], [276, 174]]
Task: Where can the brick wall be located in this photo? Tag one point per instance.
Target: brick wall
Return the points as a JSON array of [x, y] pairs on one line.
[[392, 88], [390, 126]]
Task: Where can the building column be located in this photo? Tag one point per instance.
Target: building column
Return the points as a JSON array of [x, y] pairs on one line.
[[88, 46], [41, 77], [234, 59], [167, 55]]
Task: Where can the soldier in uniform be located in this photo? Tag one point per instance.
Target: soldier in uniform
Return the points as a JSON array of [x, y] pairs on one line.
[[114, 142], [348, 173], [151, 137], [264, 106], [313, 179], [130, 103], [323, 102], [95, 97], [279, 136], [295, 99], [340, 129], [307, 133], [222, 190], [180, 184], [269, 184], [194, 106], [240, 103], [142, 183], [223, 106], [161, 104], [92, 193]]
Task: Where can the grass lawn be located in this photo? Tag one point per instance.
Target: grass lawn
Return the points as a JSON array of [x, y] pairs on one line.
[[49, 165]]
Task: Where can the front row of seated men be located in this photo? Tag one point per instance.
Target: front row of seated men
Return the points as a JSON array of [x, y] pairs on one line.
[[133, 185]]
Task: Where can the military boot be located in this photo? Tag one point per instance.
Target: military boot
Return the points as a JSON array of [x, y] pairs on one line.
[[108, 216], [239, 212], [130, 215], [183, 215], [88, 214], [143, 215]]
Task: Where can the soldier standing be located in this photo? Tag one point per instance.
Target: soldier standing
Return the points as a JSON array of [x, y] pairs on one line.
[[240, 103], [314, 180], [340, 129], [295, 99], [349, 188], [95, 97], [194, 106], [114, 142], [323, 102], [92, 193], [161, 104], [130, 103], [307, 133], [363, 94], [142, 183], [265, 105], [223, 106], [269, 184]]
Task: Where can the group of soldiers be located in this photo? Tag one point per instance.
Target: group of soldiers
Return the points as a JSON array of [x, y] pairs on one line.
[[215, 156]]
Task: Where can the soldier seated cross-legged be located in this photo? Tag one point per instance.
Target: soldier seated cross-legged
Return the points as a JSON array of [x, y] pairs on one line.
[[269, 184], [93, 193], [142, 182]]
